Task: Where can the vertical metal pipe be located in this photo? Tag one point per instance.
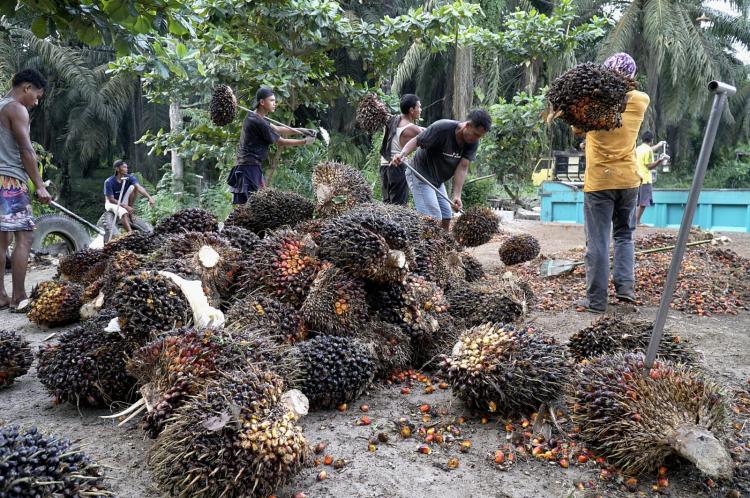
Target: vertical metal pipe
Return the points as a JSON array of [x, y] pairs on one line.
[[721, 92]]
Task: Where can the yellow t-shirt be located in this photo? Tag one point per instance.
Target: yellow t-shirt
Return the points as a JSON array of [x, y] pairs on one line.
[[610, 155], [645, 156]]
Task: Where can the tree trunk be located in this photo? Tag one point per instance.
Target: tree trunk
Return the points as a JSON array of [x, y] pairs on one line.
[[531, 76], [175, 123], [463, 82]]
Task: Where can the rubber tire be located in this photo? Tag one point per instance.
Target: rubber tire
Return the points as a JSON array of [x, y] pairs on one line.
[[69, 229]]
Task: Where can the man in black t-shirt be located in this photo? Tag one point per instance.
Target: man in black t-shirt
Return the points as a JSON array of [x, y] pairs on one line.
[[445, 150], [256, 138]]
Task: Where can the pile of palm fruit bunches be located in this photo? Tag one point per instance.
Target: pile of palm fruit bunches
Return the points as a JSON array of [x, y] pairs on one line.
[[219, 337]]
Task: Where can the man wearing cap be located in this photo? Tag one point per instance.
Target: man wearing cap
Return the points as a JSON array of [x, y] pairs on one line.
[[610, 190], [256, 138]]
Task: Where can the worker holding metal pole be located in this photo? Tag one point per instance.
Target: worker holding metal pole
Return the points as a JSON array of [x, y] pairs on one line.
[[721, 91], [445, 149]]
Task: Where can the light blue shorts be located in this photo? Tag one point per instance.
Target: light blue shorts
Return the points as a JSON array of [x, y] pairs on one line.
[[426, 200]]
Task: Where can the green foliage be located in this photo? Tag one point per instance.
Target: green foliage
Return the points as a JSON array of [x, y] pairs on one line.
[[478, 193], [516, 139]]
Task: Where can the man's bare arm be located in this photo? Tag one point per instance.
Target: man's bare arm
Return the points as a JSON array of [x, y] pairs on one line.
[[458, 181], [19, 126], [410, 132]]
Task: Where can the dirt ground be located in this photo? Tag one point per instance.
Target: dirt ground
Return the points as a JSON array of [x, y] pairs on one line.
[[396, 469]]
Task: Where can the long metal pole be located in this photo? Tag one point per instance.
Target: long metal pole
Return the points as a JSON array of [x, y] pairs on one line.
[[721, 91], [70, 213]]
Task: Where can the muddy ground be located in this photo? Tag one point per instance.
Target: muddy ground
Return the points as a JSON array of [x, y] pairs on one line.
[[396, 469]]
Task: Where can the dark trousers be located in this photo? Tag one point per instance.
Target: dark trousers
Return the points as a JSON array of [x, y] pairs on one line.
[[609, 212], [393, 184]]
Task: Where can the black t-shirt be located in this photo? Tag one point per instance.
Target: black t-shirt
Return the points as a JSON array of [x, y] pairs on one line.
[[255, 139], [439, 153]]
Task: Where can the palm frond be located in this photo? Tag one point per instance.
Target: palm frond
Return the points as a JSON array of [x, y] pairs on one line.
[[408, 67]]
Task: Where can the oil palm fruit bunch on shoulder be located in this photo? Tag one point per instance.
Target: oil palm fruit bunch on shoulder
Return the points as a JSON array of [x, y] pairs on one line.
[[473, 269], [55, 303], [87, 366], [378, 253], [372, 113], [335, 370], [476, 226], [223, 105], [75, 267], [15, 357], [283, 266], [590, 96], [637, 417], [335, 303], [258, 310], [519, 249], [235, 438], [612, 334], [148, 303], [37, 465], [240, 238], [338, 188], [499, 368], [477, 304], [187, 220], [269, 209]]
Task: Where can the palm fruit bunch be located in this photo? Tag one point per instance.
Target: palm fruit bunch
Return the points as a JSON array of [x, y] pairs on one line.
[[636, 417], [612, 334], [519, 249], [223, 105], [590, 96], [311, 228], [119, 266], [15, 357], [258, 310], [473, 269], [76, 266], [377, 252], [283, 265], [178, 364], [413, 305], [87, 366], [240, 238], [35, 465], [372, 113], [148, 303], [335, 370], [476, 226], [187, 220], [55, 303], [499, 368], [235, 438], [135, 241], [269, 209], [336, 302], [478, 303], [436, 262], [387, 343], [207, 255], [427, 350], [338, 188]]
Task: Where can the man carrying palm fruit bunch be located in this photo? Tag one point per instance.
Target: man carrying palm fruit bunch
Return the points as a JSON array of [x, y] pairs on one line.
[[610, 195]]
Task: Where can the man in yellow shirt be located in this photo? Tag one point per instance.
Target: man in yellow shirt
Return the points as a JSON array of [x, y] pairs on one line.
[[644, 154], [610, 190]]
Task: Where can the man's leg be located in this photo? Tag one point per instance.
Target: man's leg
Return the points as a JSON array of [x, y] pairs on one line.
[[597, 210], [425, 199], [384, 186], [623, 223], [641, 209], [19, 261], [446, 212], [398, 188], [4, 242]]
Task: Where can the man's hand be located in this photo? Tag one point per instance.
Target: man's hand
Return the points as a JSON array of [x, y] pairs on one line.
[[396, 160], [457, 203], [151, 202], [43, 195], [309, 140]]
